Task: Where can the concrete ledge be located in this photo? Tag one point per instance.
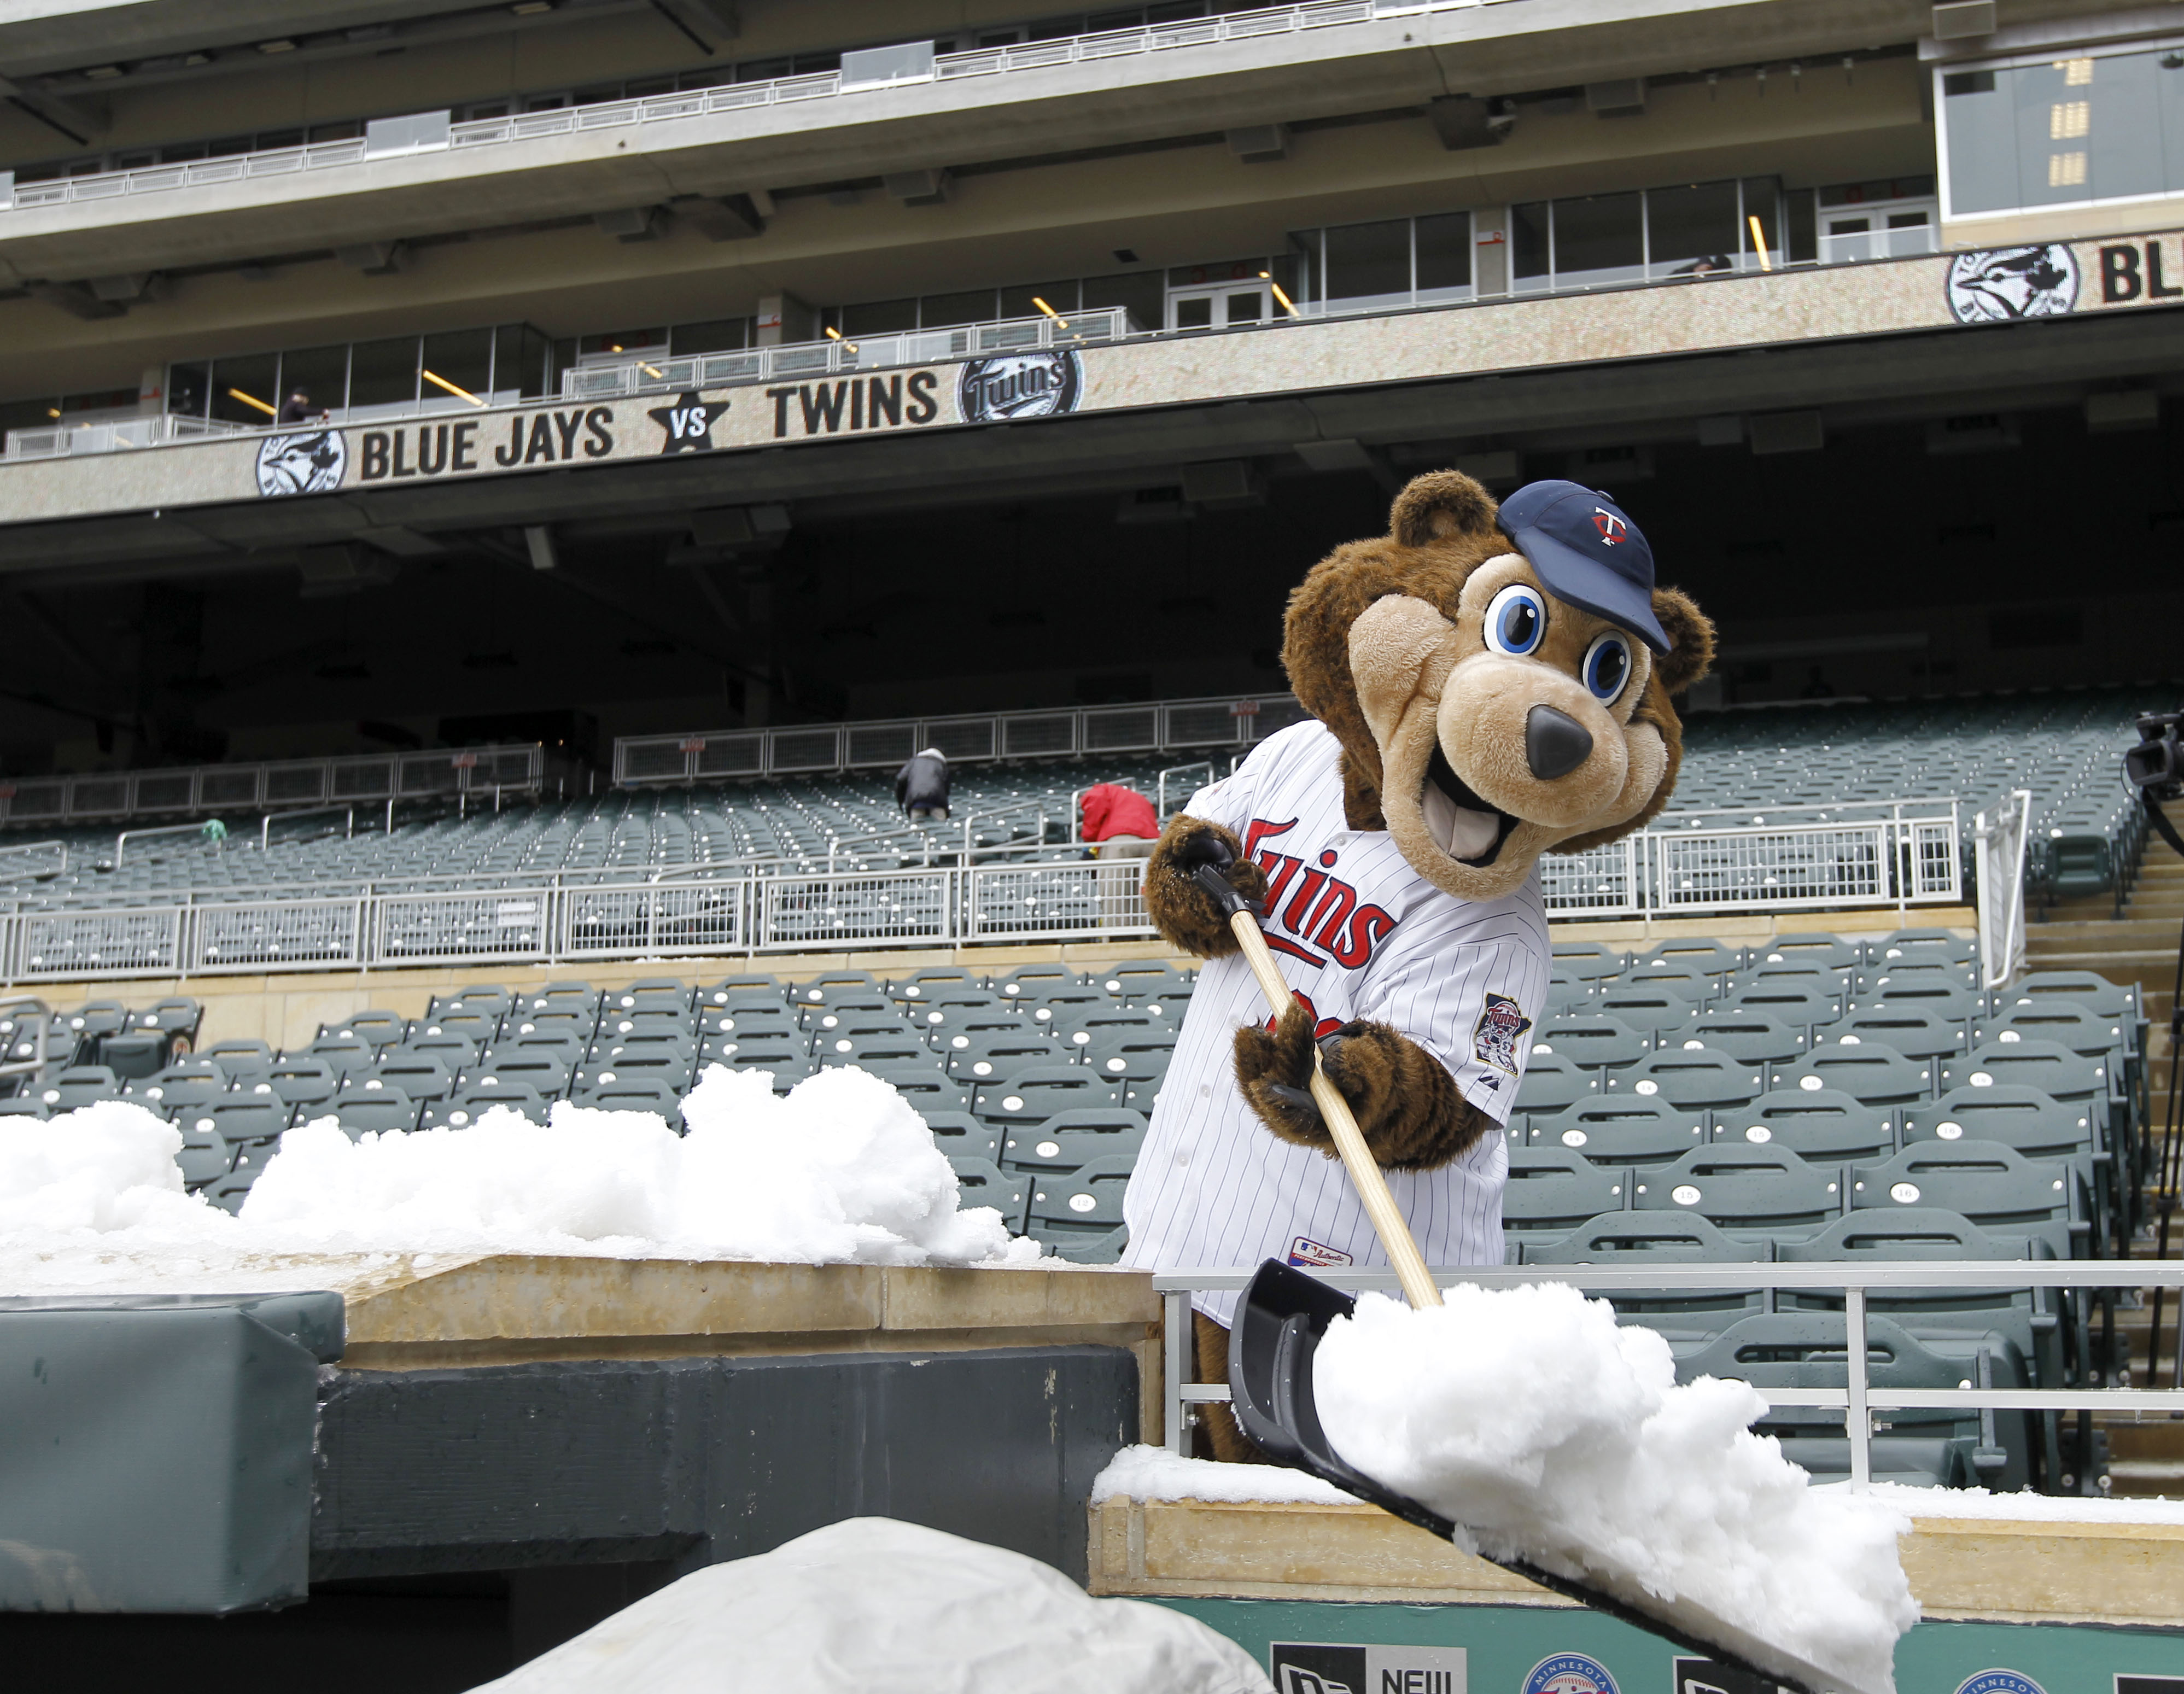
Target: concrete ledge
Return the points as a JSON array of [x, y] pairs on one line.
[[1967, 1569]]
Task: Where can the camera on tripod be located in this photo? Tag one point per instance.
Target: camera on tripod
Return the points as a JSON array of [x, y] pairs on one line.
[[2156, 764]]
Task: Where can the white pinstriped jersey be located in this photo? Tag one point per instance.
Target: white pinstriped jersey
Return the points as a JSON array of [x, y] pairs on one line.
[[1359, 934]]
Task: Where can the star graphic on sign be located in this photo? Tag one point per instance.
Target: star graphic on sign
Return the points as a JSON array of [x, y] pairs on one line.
[[688, 423]]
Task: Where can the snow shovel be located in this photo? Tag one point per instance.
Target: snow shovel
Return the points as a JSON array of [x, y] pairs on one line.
[[1283, 1314]]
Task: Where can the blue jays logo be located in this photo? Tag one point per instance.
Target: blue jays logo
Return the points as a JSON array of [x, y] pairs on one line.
[[1570, 1673], [1612, 528], [1494, 1037]]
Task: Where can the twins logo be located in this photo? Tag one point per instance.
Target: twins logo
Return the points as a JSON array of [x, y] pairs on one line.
[[1018, 386], [1612, 528], [2006, 282], [308, 464], [1570, 1673], [1494, 1037], [1322, 910]]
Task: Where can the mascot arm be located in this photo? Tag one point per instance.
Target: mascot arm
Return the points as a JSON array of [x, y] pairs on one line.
[[1182, 910], [1406, 1102]]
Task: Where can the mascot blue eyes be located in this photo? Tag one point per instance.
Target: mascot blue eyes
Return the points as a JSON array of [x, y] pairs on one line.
[[1516, 620], [1607, 666]]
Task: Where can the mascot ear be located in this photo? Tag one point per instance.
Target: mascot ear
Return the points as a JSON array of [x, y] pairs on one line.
[[1439, 505], [1690, 638]]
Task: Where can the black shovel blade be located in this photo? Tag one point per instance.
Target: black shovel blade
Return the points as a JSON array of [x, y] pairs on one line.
[[1276, 1329]]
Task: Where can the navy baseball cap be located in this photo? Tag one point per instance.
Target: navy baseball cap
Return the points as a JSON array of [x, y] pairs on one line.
[[1587, 550]]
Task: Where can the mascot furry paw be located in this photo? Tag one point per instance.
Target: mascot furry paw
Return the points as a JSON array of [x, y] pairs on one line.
[[1487, 684]]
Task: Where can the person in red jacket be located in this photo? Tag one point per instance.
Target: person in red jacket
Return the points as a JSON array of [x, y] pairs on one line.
[[1119, 823]]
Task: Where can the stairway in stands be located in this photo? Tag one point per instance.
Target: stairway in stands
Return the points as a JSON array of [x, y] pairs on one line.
[[2140, 946]]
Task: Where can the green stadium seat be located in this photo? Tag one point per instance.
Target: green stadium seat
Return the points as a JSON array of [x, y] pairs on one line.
[[238, 1055], [78, 1086], [1585, 961], [1552, 1084], [1692, 1079], [1823, 1126], [421, 1076], [1069, 1141], [1553, 1190], [1985, 1182], [2023, 1119], [634, 1094], [1074, 1208], [238, 1121], [959, 1134], [1622, 1129], [983, 1183], [1871, 1074], [1813, 947], [1912, 1030], [1592, 1042], [1743, 1186], [1037, 1092], [1749, 1036], [388, 1111], [191, 1082], [1629, 1238]]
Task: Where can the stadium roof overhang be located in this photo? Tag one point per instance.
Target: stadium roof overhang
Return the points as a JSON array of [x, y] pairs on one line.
[[1916, 338]]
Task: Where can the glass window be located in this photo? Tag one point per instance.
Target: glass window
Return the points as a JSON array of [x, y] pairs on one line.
[[246, 391], [1138, 291], [1444, 257], [1599, 239], [1982, 141], [189, 387], [321, 372], [1369, 265], [1194, 313], [383, 373], [453, 360], [1307, 245], [1692, 230], [2078, 128], [519, 359], [16, 414], [1800, 231], [625, 341], [945, 311], [1017, 302], [1529, 251], [721, 335], [878, 317]]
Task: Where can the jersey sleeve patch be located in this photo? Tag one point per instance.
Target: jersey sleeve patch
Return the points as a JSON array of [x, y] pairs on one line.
[[1502, 1024]]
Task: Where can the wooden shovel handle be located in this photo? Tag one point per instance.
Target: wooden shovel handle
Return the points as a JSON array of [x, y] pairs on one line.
[[1388, 1220]]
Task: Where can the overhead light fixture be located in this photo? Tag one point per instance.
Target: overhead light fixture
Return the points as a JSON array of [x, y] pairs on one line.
[[280, 44], [53, 411], [651, 371], [531, 9], [253, 400], [1281, 298], [101, 73], [194, 59], [1759, 243], [441, 382], [1059, 321]]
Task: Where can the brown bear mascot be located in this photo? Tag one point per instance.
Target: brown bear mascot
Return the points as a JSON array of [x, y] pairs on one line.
[[1487, 686]]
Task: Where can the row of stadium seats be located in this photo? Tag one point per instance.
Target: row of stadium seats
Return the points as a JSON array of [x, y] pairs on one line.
[[2063, 746]]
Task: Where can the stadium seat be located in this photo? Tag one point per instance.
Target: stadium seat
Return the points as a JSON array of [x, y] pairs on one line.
[[1140, 1063], [1101, 1025], [1553, 1190], [190, 1082], [1552, 1084], [1911, 1030], [831, 987], [634, 1094], [375, 1029], [546, 1073], [2049, 1066], [1037, 1092], [899, 1050], [1985, 1182], [1822, 1125], [1743, 1186], [1695, 953], [755, 987], [238, 1055], [419, 1076], [823, 1016], [1797, 1004], [1919, 946], [1623, 1129], [1585, 961], [22, 1105], [386, 1111], [1749, 1036], [1812, 947], [204, 1157], [981, 1183], [1592, 1041], [457, 1052], [1690, 1078], [77, 1086], [1631, 1239], [2083, 1031], [1660, 1009], [924, 1084], [241, 1122], [1069, 1141], [1001, 1055], [1148, 982], [959, 1134], [1030, 982], [478, 1027], [1072, 1209], [1871, 1074], [471, 1103], [2021, 1118]]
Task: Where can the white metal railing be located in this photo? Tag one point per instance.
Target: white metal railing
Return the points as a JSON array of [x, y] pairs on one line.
[[114, 435], [1071, 899], [1858, 1400], [700, 102], [1855, 247], [30, 858], [1700, 863], [641, 375], [105, 796], [2000, 840], [1155, 726]]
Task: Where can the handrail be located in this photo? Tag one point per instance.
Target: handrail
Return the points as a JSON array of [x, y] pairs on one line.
[[2000, 839], [1205, 764], [39, 847], [1858, 1400], [121, 841], [32, 1066], [266, 824]]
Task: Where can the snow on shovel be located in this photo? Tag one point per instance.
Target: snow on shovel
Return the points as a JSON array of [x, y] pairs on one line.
[[1284, 1314]]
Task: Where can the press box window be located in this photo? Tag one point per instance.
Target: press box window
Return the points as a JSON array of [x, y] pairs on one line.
[[2076, 127]]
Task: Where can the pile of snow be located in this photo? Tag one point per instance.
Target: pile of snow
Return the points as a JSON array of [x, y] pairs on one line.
[[871, 1606], [1558, 1437], [841, 1170], [1156, 1473]]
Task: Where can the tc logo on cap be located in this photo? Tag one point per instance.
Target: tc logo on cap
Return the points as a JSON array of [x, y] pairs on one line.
[[1612, 528]]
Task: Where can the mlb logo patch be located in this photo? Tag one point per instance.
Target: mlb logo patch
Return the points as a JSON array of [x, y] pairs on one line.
[[1500, 1026], [1309, 1255]]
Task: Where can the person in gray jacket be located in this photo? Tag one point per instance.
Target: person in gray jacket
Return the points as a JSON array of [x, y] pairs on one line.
[[921, 787]]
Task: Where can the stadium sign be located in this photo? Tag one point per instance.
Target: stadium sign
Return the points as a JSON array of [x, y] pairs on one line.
[[1360, 1668], [1936, 292]]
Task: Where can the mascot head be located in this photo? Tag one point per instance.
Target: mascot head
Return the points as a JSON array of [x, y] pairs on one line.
[[1499, 679]]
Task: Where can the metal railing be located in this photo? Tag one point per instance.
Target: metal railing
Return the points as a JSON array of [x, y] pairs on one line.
[[1858, 1400], [663, 374], [1155, 726], [106, 796], [11, 1006], [116, 435], [1801, 857], [18, 859], [1071, 899], [1999, 841]]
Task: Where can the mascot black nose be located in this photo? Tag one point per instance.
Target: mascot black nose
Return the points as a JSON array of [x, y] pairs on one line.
[[1555, 745]]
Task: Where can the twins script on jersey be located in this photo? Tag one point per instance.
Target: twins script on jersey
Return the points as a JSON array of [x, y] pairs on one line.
[[1359, 934]]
